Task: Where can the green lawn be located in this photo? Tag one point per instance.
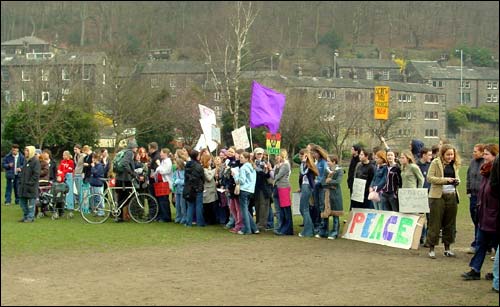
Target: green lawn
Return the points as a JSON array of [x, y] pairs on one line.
[[46, 236]]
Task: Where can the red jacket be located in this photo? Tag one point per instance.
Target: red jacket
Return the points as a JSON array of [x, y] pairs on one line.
[[66, 166]]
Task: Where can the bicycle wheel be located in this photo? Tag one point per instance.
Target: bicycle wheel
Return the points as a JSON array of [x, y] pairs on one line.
[[98, 209], [145, 210]]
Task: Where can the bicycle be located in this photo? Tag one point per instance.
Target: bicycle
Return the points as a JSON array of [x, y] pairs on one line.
[[97, 207]]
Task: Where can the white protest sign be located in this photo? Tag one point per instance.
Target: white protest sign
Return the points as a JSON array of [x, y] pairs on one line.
[[240, 138], [216, 134], [413, 200], [296, 203], [207, 114], [358, 190], [201, 143], [206, 127]]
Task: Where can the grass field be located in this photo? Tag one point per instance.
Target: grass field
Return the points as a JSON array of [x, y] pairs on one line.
[[46, 235]]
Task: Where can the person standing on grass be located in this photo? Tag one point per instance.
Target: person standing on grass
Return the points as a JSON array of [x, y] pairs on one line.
[[389, 196], [443, 199], [334, 186], [282, 183], [487, 216], [180, 202], [308, 172], [473, 182], [194, 178], [65, 174], [495, 187], [164, 172], [28, 184], [12, 163], [380, 177], [246, 178], [321, 156], [364, 170], [355, 150]]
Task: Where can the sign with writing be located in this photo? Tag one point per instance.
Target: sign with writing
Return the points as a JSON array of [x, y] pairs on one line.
[[381, 108], [295, 203], [240, 138], [273, 143], [207, 114], [389, 228], [413, 200], [206, 127], [358, 190], [216, 134]]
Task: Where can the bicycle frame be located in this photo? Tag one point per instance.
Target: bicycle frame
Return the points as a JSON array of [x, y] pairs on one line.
[[115, 207]]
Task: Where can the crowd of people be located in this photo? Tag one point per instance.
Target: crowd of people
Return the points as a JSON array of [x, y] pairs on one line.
[[247, 192]]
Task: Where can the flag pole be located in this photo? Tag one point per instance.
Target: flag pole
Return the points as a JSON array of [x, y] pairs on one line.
[[251, 141]]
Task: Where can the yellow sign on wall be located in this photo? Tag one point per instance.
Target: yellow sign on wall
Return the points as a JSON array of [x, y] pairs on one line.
[[381, 108]]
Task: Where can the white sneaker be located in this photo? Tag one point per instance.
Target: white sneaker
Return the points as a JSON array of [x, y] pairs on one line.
[[432, 255], [317, 236], [300, 235], [331, 238], [449, 253], [471, 250], [257, 231], [240, 232]]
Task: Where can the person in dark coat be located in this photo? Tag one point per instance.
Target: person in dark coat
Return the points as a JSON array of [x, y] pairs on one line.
[[124, 177], [28, 185], [12, 163], [194, 177]]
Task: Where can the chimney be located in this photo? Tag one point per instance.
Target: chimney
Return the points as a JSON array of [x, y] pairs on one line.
[[443, 60]]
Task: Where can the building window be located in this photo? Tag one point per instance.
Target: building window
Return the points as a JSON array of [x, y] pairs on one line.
[[492, 98], [172, 83], [431, 115], [65, 74], [25, 76], [430, 98], [404, 98], [24, 97], [385, 75], [404, 132], [326, 94], [5, 75], [45, 97], [217, 96], [465, 84], [86, 73], [218, 111], [6, 95], [369, 74], [404, 115], [431, 133], [155, 83], [45, 75], [465, 98], [492, 85], [64, 92], [438, 83]]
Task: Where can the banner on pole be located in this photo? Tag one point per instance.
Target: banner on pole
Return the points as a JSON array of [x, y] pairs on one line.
[[381, 108]]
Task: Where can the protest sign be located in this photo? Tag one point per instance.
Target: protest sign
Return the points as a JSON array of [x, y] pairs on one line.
[[413, 200]]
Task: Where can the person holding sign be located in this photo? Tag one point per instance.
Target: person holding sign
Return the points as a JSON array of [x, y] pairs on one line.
[[364, 170], [443, 199]]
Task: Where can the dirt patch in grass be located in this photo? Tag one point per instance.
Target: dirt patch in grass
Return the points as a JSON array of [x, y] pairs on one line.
[[249, 270]]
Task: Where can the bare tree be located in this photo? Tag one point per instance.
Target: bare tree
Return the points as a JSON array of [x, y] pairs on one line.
[[230, 57]]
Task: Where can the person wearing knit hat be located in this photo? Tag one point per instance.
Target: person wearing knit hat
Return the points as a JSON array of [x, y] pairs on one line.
[[258, 150], [28, 185]]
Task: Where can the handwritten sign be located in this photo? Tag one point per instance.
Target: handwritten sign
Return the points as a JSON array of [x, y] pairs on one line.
[[381, 109], [389, 228], [207, 114], [358, 190], [413, 200], [240, 138]]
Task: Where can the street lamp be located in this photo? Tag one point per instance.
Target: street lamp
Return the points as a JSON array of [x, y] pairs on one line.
[[461, 75], [276, 54], [335, 55]]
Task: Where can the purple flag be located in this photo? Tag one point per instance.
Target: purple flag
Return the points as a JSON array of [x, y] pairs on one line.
[[266, 107]]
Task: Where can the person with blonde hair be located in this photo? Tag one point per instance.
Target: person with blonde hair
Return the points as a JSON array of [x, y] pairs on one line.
[[308, 172], [411, 175], [65, 174], [282, 183], [443, 199], [28, 184], [209, 190], [180, 202], [164, 172]]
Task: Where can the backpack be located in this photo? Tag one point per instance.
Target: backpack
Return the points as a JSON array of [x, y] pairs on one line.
[[118, 161]]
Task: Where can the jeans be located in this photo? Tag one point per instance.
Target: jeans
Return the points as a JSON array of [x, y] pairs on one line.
[[97, 200], [262, 208], [319, 202], [473, 216], [249, 225], [12, 184], [270, 217], [335, 228], [389, 202], [483, 240], [495, 270], [277, 209], [78, 180], [305, 195], [164, 213], [286, 221], [378, 205], [28, 207], [70, 197], [234, 207], [198, 206], [180, 208]]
